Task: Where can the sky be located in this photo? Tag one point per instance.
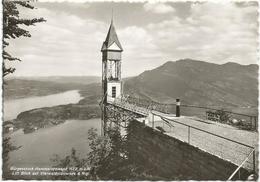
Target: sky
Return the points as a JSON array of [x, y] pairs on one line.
[[69, 42]]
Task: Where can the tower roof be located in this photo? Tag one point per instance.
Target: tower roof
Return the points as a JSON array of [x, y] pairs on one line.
[[111, 42]]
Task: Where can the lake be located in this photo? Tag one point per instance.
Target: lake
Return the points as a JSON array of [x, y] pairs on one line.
[[13, 107], [38, 147]]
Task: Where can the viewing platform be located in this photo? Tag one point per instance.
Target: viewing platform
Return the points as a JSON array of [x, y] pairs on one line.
[[225, 141]]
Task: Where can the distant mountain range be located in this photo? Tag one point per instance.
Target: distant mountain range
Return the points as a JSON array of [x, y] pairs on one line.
[[194, 82], [199, 83], [20, 87], [62, 79]]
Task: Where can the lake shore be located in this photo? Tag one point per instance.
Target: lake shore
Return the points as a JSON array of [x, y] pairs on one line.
[[35, 119], [43, 117], [57, 122], [39, 147]]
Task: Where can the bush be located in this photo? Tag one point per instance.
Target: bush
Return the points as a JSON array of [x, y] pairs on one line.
[[224, 117]]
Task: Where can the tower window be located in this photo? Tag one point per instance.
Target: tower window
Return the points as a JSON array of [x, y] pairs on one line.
[[113, 92]]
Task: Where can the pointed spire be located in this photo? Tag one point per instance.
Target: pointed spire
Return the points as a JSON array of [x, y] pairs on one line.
[[111, 37], [112, 17]]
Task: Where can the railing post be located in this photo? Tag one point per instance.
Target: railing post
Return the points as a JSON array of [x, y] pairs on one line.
[[254, 162], [189, 134], [252, 123], [178, 103], [153, 120]]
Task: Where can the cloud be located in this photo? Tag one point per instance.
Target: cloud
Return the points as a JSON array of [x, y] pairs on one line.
[[159, 8], [61, 1], [210, 35], [60, 46], [140, 51], [69, 42]]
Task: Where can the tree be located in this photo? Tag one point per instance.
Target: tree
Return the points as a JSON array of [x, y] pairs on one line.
[[108, 159], [100, 148], [70, 161], [224, 117], [12, 29], [7, 148]]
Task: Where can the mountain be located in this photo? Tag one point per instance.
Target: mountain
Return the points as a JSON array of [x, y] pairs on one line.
[[22, 87], [62, 79], [194, 82], [199, 83]]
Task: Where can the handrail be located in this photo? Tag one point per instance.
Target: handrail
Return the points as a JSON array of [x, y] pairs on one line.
[[206, 131], [203, 107], [246, 159], [152, 103], [137, 104], [118, 101], [233, 174]]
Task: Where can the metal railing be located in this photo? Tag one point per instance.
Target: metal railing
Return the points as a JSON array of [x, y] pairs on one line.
[[243, 155], [239, 120], [237, 171], [139, 103], [121, 102], [213, 143]]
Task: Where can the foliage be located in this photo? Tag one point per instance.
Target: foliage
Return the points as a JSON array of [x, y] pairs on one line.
[[12, 28], [108, 159], [100, 148], [7, 148], [224, 117], [71, 162]]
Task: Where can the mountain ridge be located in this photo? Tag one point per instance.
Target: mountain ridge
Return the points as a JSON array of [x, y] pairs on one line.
[[193, 81], [198, 82]]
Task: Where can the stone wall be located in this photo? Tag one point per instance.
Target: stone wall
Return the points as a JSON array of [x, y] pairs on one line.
[[172, 159]]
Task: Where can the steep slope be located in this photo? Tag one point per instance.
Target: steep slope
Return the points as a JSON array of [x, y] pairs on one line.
[[198, 82]]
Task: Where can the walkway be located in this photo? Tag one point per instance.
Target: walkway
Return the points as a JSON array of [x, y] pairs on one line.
[[222, 148], [217, 146]]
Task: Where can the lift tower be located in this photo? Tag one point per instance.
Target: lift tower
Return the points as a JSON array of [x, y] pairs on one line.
[[111, 72]]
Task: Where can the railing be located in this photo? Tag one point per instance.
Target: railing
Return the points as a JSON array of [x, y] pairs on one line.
[[239, 153], [121, 102], [239, 120], [215, 144], [242, 121], [137, 103], [238, 169], [243, 155]]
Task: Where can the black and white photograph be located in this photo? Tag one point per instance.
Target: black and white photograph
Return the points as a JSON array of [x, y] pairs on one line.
[[130, 90]]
